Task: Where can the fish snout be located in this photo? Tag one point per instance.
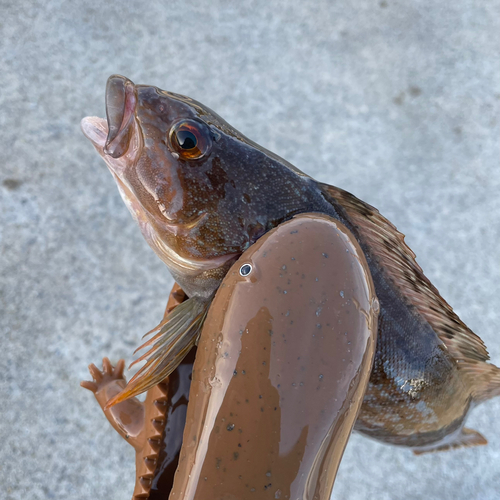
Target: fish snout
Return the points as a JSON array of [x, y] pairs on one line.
[[121, 100]]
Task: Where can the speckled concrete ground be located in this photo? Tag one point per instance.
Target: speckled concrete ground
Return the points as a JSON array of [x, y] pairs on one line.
[[397, 102]]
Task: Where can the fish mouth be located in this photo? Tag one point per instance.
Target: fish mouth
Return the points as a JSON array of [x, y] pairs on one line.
[[121, 100], [116, 135], [118, 139]]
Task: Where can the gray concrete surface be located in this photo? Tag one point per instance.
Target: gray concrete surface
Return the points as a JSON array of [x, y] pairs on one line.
[[395, 101]]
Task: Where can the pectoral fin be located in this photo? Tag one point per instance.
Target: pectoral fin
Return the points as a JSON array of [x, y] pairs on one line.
[[174, 337]]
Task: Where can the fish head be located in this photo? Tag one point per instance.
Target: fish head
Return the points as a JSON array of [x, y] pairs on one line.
[[201, 192]]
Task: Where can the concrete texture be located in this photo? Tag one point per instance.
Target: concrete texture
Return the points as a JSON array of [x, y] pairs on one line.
[[395, 101]]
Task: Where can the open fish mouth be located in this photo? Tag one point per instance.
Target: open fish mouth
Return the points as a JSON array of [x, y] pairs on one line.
[[117, 138], [97, 130], [121, 100], [113, 135]]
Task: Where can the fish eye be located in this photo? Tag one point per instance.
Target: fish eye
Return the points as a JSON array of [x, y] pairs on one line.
[[190, 139]]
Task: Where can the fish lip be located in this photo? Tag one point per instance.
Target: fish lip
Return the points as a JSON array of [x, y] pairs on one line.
[[121, 101], [95, 129]]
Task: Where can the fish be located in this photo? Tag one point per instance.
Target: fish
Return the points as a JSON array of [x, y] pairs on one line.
[[203, 194]]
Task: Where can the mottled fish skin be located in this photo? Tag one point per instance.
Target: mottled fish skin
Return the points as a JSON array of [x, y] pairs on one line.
[[197, 214], [429, 369], [200, 214]]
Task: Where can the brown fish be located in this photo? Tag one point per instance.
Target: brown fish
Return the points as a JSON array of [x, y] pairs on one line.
[[202, 194]]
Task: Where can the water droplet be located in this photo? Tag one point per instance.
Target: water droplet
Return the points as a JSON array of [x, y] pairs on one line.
[[321, 376], [342, 293]]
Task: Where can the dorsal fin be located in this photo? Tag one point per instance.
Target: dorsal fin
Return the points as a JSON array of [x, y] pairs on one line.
[[387, 247]]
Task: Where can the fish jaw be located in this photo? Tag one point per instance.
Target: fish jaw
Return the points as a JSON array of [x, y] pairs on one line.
[[96, 130]]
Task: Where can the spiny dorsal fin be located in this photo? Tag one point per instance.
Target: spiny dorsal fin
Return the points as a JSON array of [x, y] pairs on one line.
[[386, 245], [466, 439]]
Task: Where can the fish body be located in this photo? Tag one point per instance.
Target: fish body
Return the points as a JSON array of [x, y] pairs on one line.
[[202, 194]]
